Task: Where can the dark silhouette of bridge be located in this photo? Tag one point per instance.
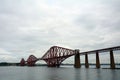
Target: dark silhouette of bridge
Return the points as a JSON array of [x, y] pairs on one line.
[[56, 55]]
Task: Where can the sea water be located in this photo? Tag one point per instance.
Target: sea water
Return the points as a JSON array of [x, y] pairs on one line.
[[61, 73]]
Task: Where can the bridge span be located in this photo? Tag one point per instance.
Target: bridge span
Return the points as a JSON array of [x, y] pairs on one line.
[[56, 55]]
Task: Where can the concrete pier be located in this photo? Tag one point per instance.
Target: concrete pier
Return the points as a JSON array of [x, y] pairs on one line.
[[77, 63], [86, 61], [97, 60], [112, 62]]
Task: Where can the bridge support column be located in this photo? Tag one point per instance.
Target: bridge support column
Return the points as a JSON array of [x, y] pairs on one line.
[[112, 62], [32, 63], [97, 60], [22, 62], [86, 61], [77, 63]]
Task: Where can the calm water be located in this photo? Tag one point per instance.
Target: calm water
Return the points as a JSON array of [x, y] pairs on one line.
[[62, 73]]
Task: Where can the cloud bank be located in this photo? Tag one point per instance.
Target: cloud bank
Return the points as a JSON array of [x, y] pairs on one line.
[[33, 26]]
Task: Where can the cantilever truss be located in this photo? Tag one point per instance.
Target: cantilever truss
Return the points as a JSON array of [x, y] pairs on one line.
[[56, 55], [31, 60], [53, 57]]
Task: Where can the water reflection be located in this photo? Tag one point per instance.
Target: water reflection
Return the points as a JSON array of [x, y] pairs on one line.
[[53, 74], [98, 74], [77, 74], [114, 75], [30, 73], [62, 73]]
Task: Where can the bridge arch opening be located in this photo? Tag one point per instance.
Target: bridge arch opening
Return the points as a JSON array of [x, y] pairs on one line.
[[104, 59], [68, 62], [117, 58], [91, 60], [40, 63]]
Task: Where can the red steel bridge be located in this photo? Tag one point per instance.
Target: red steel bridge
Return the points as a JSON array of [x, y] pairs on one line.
[[56, 55]]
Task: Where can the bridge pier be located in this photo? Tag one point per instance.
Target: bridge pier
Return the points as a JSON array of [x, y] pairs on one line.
[[77, 63], [86, 61], [97, 60], [22, 62], [112, 62], [32, 63]]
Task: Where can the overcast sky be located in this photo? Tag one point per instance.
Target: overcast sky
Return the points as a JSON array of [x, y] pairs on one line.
[[33, 26]]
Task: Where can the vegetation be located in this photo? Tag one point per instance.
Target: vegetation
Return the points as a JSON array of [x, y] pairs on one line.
[[9, 64]]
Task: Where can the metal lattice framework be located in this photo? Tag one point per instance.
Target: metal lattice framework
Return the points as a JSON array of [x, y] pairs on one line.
[[102, 50], [22, 62], [56, 55], [31, 60]]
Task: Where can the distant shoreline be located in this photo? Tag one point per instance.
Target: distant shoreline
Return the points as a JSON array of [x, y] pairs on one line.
[[18, 64]]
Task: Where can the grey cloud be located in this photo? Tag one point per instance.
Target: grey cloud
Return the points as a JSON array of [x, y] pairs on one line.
[[34, 26]]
